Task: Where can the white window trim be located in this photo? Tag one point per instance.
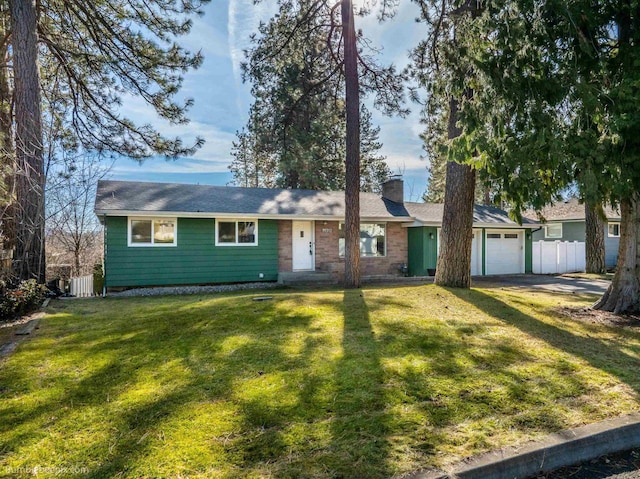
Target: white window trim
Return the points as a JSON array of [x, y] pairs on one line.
[[609, 231], [236, 220], [546, 231], [152, 244], [386, 236]]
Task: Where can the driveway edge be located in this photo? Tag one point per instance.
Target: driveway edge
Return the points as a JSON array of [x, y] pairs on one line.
[[557, 450]]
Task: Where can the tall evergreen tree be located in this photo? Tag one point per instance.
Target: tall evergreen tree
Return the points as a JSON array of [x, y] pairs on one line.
[[29, 172], [447, 75], [320, 32], [594, 238], [352, 157], [559, 89], [97, 53], [296, 132]]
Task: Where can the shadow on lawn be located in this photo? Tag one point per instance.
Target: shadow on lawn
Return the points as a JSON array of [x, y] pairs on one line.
[[359, 428], [300, 412], [605, 355], [301, 400], [186, 356]]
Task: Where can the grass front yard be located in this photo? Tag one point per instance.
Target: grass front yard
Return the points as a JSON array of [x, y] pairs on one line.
[[367, 383]]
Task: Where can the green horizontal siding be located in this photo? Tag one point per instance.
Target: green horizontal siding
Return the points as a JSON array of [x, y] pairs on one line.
[[195, 259]]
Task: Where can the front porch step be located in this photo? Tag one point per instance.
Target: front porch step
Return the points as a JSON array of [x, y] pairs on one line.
[[305, 277]]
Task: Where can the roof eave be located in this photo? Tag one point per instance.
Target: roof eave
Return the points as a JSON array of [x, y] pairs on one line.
[[418, 223], [212, 214]]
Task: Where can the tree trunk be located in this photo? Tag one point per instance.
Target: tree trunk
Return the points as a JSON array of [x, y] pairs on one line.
[[622, 294], [7, 154], [352, 173], [487, 196], [76, 259], [454, 260], [594, 215], [29, 254]]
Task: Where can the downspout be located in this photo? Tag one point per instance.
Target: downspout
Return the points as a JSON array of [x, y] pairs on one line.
[[104, 256], [484, 252]]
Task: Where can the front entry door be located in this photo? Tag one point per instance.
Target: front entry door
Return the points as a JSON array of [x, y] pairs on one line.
[[302, 234]]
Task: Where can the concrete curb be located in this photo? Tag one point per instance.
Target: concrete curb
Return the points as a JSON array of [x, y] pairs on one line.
[[557, 450]]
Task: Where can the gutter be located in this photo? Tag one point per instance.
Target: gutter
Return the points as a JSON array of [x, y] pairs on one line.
[[213, 215]]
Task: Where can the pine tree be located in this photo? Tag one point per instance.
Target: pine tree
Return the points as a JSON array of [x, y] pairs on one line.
[[92, 55], [29, 173], [296, 129], [594, 239], [440, 67]]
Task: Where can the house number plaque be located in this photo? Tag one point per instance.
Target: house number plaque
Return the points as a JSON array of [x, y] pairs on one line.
[[327, 230]]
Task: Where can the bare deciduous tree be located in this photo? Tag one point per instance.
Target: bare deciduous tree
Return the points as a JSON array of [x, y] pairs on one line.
[[72, 227]]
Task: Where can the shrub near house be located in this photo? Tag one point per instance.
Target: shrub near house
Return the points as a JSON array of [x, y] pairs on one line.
[[23, 299]]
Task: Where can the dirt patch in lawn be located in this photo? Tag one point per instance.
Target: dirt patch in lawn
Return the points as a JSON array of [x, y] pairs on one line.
[[588, 315]]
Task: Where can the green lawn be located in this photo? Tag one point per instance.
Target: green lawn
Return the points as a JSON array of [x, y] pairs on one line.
[[369, 383]]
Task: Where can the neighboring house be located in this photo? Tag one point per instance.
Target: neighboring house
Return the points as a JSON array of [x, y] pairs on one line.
[[565, 221], [168, 234]]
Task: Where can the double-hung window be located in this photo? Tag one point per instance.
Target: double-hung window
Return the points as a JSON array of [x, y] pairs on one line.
[[152, 231], [614, 230], [236, 232], [373, 241]]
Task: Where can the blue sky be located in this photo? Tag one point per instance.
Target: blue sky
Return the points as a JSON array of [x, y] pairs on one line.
[[222, 101]]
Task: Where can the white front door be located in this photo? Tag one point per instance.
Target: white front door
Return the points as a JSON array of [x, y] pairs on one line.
[[302, 245]]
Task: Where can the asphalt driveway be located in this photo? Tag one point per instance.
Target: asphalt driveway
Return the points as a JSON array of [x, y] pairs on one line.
[[556, 284]]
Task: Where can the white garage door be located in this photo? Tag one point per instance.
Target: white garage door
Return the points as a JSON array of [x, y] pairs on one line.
[[505, 252], [476, 251]]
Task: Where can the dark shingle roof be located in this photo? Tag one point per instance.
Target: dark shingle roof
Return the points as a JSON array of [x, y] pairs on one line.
[[131, 196], [433, 212], [571, 209]]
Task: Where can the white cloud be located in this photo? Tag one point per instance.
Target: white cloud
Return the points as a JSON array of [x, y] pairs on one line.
[[218, 141], [206, 35], [406, 163], [244, 18], [192, 166]]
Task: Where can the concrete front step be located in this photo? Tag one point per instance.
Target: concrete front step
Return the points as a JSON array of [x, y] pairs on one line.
[[305, 277]]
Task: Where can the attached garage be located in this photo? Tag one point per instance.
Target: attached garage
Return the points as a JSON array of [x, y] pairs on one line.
[[498, 246], [504, 252]]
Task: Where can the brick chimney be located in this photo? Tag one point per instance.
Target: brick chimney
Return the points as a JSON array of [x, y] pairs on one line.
[[393, 189]]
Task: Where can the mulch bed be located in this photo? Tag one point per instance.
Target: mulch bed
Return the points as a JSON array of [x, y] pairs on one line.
[[606, 318]]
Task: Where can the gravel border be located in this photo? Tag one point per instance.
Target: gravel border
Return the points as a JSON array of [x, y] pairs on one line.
[[184, 290]]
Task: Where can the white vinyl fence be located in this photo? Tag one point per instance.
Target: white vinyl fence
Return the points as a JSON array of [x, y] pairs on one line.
[[553, 257], [82, 287]]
